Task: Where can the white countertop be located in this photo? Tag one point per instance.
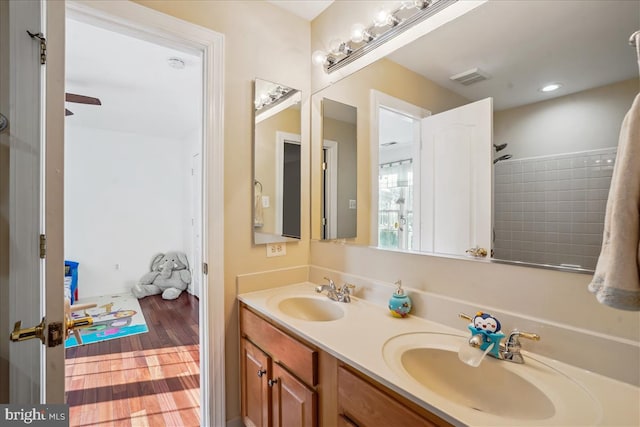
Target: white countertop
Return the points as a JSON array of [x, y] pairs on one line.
[[358, 339]]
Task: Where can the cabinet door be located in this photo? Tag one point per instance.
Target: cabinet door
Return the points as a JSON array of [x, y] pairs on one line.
[[255, 370], [367, 406], [294, 404]]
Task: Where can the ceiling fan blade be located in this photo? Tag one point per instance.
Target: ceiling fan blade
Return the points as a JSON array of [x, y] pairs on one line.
[[81, 99], [67, 112]]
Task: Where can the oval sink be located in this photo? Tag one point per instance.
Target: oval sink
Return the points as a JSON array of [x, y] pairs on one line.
[[532, 392], [313, 309]]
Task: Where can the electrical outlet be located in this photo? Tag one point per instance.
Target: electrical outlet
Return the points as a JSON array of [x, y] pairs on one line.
[[352, 204], [265, 201], [276, 249]]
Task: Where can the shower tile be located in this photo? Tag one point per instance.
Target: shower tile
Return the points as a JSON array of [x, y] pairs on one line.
[[595, 227], [564, 227], [565, 163], [578, 195], [551, 165], [565, 174], [596, 206], [579, 217], [595, 217], [578, 184], [527, 166], [516, 167], [578, 173], [578, 206], [564, 206]]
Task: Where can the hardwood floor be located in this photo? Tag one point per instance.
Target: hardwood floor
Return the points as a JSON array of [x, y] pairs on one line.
[[150, 379]]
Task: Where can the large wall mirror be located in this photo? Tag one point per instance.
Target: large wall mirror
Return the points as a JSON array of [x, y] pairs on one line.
[[276, 163], [465, 146]]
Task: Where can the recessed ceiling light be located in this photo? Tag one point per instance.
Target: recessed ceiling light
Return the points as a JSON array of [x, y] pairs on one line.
[[551, 87], [176, 63]]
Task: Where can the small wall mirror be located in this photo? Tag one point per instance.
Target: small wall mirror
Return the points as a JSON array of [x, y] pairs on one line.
[[276, 163], [339, 170]]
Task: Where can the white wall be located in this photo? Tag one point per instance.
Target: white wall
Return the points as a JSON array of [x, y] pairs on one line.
[[124, 202]]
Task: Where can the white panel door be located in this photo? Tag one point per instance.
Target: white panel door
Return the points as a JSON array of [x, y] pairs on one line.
[[33, 208], [456, 179]]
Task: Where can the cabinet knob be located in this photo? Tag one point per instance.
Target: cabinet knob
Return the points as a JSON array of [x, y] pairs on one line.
[[272, 382], [261, 372]]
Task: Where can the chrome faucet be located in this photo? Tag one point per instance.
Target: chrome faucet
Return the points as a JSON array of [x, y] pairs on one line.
[[508, 350], [341, 295]]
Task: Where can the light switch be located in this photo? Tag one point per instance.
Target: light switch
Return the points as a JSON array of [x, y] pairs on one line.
[[265, 201], [352, 204]]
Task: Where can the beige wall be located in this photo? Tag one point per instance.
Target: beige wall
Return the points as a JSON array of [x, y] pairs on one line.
[[265, 160], [263, 41], [587, 120], [384, 76]]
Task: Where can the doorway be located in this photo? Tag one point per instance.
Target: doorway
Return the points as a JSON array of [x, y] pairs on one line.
[[135, 165]]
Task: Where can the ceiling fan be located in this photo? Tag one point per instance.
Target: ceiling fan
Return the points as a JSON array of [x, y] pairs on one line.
[[80, 99]]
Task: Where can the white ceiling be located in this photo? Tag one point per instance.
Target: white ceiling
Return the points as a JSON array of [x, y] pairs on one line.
[[524, 45], [140, 92], [307, 9]]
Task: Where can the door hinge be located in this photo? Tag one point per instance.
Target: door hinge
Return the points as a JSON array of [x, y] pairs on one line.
[[324, 221], [205, 268], [43, 45], [324, 166], [43, 246]]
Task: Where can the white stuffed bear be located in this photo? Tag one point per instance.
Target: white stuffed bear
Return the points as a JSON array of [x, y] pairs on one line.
[[169, 276]]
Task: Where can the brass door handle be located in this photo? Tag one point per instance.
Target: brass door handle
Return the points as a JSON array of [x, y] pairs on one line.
[[20, 334], [74, 325]]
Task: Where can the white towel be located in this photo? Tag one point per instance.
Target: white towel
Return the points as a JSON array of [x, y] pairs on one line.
[[616, 281], [258, 220]]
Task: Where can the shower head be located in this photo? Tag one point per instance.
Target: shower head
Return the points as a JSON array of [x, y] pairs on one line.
[[500, 147], [505, 157]]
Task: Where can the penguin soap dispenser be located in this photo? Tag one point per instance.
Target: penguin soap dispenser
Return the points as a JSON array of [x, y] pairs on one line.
[[399, 303]]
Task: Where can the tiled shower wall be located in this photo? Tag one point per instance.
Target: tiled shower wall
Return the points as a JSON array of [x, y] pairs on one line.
[[550, 210]]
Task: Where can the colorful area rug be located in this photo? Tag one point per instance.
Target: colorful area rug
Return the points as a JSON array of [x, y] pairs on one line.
[[115, 316]]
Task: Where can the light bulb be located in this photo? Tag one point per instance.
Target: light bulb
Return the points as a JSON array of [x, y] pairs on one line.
[[381, 17], [318, 57], [357, 33], [334, 46]]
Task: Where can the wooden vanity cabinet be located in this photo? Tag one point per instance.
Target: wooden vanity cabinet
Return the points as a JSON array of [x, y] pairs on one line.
[[279, 375], [363, 403], [286, 383]]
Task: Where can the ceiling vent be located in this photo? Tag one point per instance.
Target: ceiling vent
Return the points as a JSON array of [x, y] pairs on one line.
[[470, 77]]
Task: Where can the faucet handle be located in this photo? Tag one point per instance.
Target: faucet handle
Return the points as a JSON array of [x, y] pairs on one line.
[[465, 317], [515, 334], [332, 285], [513, 341], [347, 288]]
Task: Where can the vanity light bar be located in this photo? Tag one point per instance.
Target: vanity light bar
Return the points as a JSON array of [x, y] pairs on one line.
[[396, 24], [275, 96]]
